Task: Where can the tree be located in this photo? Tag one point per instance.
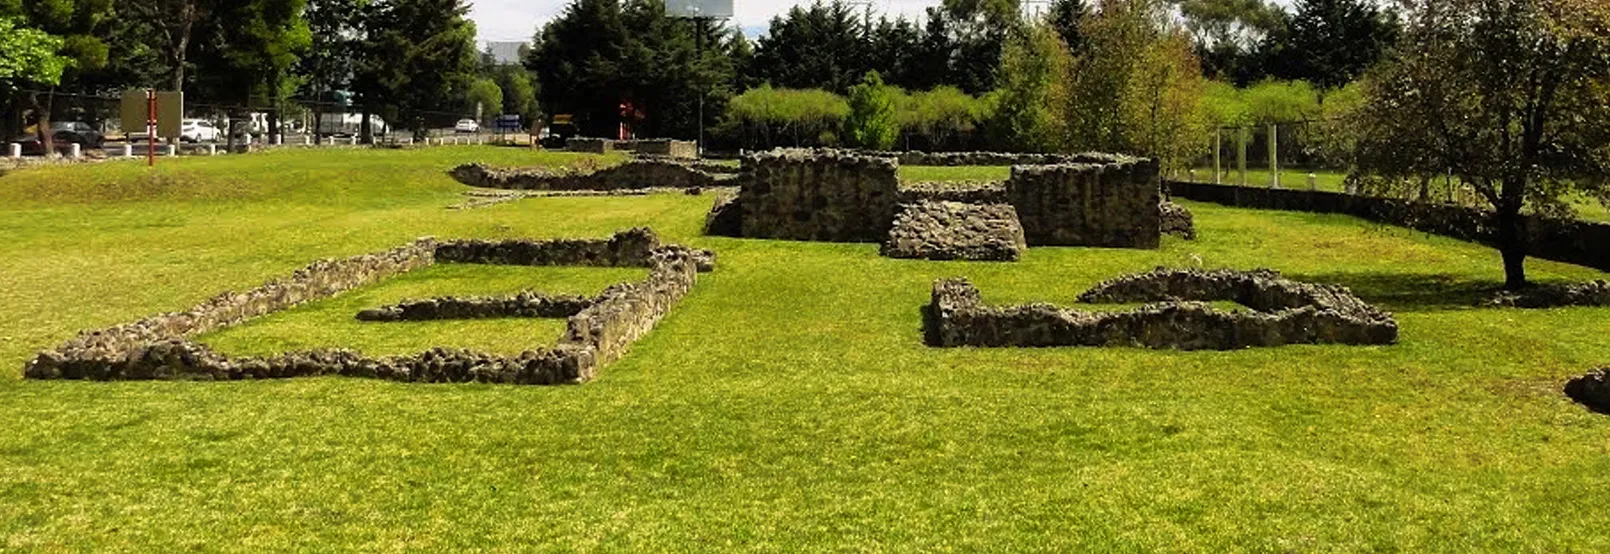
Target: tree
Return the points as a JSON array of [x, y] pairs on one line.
[[1231, 36], [78, 24], [420, 54], [1332, 42], [245, 54], [578, 59], [1508, 96], [1066, 16], [979, 31], [484, 94], [872, 122], [28, 56], [817, 47], [1033, 91], [335, 37], [519, 92], [174, 22]]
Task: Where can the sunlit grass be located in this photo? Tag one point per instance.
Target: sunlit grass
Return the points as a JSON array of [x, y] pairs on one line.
[[786, 404]]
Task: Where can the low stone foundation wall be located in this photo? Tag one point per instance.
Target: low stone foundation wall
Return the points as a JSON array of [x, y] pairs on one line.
[[915, 157], [160, 347], [1111, 205], [956, 231], [821, 195], [1573, 242], [685, 149], [1591, 390], [632, 175], [1594, 294], [1284, 312], [524, 304], [590, 145]]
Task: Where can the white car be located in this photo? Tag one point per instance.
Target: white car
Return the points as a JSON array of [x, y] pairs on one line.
[[199, 130], [467, 126]]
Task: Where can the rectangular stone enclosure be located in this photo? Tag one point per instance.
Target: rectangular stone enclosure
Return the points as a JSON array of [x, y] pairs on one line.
[[818, 195], [1110, 205]]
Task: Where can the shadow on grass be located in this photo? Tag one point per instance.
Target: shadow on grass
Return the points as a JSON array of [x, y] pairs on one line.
[[1411, 292]]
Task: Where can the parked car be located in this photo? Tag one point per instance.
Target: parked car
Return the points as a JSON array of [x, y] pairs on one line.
[[78, 132], [199, 130], [467, 126]]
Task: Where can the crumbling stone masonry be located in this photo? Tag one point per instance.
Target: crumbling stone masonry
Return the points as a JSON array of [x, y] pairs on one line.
[[1593, 294], [599, 332], [525, 304], [1112, 205], [956, 231], [821, 195], [1591, 390], [638, 174], [1177, 317], [1178, 221]]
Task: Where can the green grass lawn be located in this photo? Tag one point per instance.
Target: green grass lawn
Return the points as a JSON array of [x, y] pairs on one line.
[[786, 404]]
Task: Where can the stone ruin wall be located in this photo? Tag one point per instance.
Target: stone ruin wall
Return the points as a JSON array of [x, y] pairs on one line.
[[820, 195], [160, 347], [1178, 317], [1113, 205], [640, 174]]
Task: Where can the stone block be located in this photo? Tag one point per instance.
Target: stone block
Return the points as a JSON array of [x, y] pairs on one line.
[[956, 231]]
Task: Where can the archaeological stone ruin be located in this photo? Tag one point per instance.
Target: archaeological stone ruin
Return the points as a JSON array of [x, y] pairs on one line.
[[598, 330], [1175, 315], [845, 196]]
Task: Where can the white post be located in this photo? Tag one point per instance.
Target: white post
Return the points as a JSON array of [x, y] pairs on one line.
[[75, 151], [173, 150], [128, 150], [279, 139], [307, 140], [1274, 156], [212, 150], [15, 151], [1218, 140], [1313, 182]]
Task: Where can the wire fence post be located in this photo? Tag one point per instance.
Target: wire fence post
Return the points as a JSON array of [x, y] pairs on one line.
[[1274, 155], [1218, 147], [1241, 153]]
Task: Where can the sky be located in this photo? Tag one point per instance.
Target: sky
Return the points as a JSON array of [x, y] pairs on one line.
[[517, 20]]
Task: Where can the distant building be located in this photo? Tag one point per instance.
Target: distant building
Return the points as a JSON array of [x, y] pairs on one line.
[[506, 53]]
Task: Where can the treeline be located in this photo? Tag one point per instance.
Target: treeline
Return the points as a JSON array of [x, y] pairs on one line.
[[412, 61], [1077, 74]]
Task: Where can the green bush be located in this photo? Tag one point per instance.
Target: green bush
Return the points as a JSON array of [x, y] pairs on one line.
[[873, 121]]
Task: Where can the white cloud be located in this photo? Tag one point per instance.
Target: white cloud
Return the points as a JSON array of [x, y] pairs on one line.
[[501, 20]]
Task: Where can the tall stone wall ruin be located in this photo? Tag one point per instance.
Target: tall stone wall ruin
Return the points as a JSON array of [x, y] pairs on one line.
[[1111, 205], [820, 195]]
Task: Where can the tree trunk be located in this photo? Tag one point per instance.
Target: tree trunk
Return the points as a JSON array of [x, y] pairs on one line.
[[363, 130], [1512, 244], [46, 138]]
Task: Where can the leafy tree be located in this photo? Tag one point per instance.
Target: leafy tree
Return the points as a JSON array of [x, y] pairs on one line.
[[79, 24], [29, 56], [941, 117], [578, 59], [1233, 37], [1332, 42], [484, 93], [979, 31], [1137, 87], [820, 46], [335, 37], [519, 92], [1066, 16], [893, 51], [1508, 96], [246, 53], [1032, 92], [174, 22], [764, 117], [872, 122], [420, 53], [933, 64]]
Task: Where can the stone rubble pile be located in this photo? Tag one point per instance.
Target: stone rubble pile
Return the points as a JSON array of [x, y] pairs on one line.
[[1178, 221], [1591, 390], [1592, 294], [644, 173], [1176, 316], [956, 231], [599, 332]]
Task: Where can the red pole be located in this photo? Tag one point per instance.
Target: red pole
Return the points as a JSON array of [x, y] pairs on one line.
[[150, 127]]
